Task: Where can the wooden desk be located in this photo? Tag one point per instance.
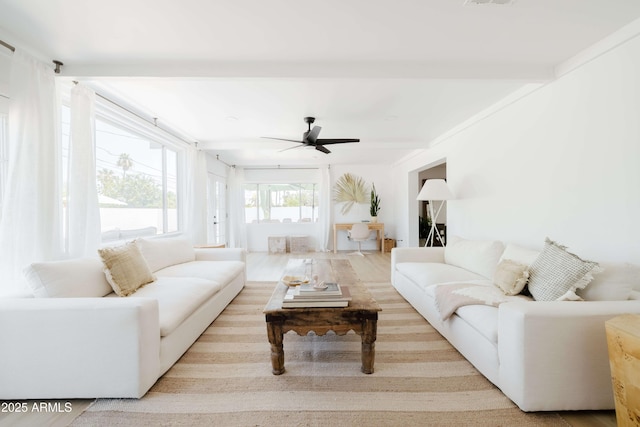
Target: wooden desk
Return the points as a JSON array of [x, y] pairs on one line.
[[377, 226]]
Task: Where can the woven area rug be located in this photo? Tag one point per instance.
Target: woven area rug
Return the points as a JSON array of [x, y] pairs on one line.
[[225, 378]]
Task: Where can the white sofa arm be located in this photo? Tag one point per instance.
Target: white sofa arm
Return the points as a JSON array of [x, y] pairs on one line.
[[430, 254], [554, 356], [220, 254], [64, 348]]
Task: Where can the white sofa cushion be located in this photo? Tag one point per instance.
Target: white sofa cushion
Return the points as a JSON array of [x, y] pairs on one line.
[[125, 268], [178, 298], [614, 283], [73, 278], [161, 253], [478, 256], [519, 254], [482, 318], [556, 274], [221, 272], [425, 274]]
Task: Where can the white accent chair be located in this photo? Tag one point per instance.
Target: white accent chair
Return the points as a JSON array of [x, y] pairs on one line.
[[359, 233]]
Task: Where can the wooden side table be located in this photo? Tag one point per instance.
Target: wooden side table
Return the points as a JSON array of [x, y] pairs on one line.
[[623, 342], [360, 316]]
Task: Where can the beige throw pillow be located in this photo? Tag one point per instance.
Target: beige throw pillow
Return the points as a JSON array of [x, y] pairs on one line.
[[511, 276], [125, 268]]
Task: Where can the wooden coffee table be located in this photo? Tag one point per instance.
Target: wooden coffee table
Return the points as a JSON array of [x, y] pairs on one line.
[[361, 316]]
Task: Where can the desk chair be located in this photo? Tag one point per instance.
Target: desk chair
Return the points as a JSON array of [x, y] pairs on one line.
[[359, 232]]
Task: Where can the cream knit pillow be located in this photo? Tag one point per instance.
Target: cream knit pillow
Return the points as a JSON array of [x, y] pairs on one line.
[[125, 268], [511, 276]]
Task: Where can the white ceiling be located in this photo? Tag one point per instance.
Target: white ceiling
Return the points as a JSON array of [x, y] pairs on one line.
[[395, 74]]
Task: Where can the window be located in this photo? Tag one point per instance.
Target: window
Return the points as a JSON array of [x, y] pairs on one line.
[[137, 180], [281, 202]]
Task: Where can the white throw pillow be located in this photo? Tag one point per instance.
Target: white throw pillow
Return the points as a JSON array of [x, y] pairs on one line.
[[73, 278], [125, 268], [478, 256], [556, 274], [519, 254], [161, 253], [511, 276], [614, 283]]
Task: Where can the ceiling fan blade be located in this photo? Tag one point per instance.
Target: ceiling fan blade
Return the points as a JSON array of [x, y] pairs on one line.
[[283, 139], [323, 149], [312, 136], [336, 141], [291, 148]]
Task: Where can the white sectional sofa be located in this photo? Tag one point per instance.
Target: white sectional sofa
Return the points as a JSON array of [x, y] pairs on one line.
[[543, 355], [75, 338]]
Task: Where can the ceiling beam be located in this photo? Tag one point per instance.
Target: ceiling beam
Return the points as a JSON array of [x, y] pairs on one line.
[[259, 143], [249, 69]]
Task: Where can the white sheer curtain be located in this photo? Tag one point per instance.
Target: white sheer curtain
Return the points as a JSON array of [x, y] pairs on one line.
[[324, 211], [83, 211], [237, 225], [196, 219], [30, 228]]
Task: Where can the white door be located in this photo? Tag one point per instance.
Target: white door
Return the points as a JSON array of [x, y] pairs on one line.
[[217, 210]]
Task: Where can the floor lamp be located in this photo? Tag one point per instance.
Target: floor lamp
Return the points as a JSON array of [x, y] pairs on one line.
[[435, 190]]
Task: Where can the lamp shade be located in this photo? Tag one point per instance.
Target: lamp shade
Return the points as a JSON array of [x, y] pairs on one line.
[[435, 189]]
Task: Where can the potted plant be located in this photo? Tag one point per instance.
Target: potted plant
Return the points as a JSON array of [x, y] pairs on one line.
[[375, 204]]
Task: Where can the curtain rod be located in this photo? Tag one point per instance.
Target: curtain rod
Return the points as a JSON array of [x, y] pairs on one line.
[[7, 45], [154, 122], [223, 162], [57, 63]]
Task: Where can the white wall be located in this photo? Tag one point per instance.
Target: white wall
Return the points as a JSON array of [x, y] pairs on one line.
[[555, 163], [5, 71], [381, 176]]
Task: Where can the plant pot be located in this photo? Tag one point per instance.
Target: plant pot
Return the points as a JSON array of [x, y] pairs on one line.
[[374, 219]]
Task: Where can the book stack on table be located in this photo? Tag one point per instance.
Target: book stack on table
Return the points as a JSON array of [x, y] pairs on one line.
[[308, 295]]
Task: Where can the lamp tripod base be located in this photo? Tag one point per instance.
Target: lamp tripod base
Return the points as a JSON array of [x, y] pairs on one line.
[[434, 232]]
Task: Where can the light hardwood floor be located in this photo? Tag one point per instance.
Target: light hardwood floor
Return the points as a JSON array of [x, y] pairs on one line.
[[375, 267]]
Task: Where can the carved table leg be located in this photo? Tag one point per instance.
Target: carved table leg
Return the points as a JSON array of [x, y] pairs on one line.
[[368, 345], [274, 332]]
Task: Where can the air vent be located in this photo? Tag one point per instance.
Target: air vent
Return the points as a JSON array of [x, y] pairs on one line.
[[496, 2]]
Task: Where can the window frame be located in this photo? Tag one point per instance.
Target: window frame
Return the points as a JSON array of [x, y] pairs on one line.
[[114, 115], [122, 119], [255, 187]]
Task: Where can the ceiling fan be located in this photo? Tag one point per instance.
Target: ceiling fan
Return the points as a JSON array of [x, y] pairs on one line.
[[310, 138]]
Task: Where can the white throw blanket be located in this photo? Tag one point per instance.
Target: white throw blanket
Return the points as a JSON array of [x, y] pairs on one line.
[[451, 296]]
